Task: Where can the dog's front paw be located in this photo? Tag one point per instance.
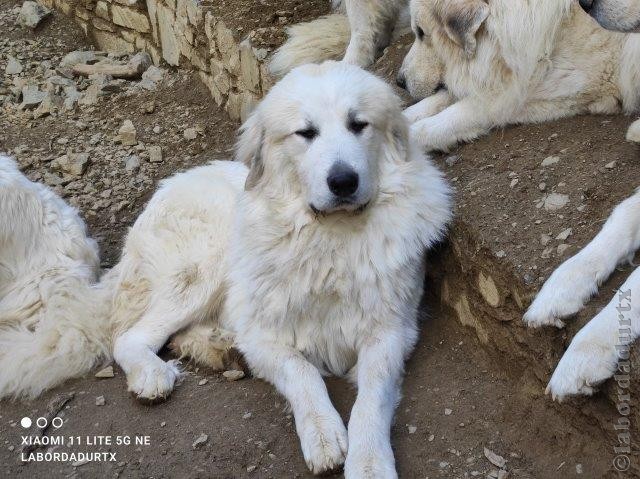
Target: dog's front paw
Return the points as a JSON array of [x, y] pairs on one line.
[[154, 380], [370, 463], [563, 295], [323, 438], [589, 361]]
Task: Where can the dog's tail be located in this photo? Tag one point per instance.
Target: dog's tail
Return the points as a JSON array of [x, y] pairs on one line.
[[68, 338], [325, 38]]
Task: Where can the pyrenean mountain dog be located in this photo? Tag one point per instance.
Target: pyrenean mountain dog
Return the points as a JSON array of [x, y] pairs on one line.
[[478, 65], [602, 346], [309, 259]]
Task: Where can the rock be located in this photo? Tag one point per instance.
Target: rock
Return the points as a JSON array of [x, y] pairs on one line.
[[563, 235], [611, 165], [151, 78], [128, 18], [31, 14], [633, 133], [74, 164], [562, 248], [247, 415], [132, 163], [452, 160], [105, 373], [412, 429], [155, 154], [495, 459], [448, 412], [203, 381], [201, 440], [31, 97], [168, 39], [251, 468], [555, 201], [49, 105], [233, 375], [545, 239], [14, 67], [100, 401], [127, 134], [514, 182], [190, 134], [549, 160], [81, 57]]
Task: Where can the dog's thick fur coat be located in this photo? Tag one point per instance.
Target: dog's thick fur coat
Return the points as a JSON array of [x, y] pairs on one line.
[[305, 281], [50, 326]]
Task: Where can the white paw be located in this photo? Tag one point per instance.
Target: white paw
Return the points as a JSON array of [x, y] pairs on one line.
[[414, 113], [563, 295], [590, 360], [432, 136], [323, 438], [370, 463], [154, 379]]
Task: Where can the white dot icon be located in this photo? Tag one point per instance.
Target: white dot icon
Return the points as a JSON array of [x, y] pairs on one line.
[[25, 422]]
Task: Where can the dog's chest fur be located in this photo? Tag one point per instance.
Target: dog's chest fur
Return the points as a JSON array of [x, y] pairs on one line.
[[326, 285]]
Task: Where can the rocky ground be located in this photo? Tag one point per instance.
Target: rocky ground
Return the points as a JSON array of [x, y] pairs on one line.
[[468, 410]]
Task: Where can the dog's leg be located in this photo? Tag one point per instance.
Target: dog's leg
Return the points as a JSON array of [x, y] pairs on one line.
[[463, 121], [148, 376], [430, 106], [323, 436], [379, 376], [578, 278], [595, 351], [371, 23]]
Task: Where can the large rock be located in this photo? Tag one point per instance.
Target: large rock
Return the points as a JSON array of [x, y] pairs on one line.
[[126, 17], [168, 39], [14, 67], [31, 14]]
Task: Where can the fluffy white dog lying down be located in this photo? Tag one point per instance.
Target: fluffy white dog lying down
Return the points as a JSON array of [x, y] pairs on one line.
[[595, 351], [512, 61], [478, 65], [311, 258]]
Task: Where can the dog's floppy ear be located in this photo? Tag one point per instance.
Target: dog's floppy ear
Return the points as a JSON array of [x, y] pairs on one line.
[[461, 20], [397, 140], [249, 149]]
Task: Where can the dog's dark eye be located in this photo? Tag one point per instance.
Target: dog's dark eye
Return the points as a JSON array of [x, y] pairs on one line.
[[308, 133], [356, 126], [419, 33]]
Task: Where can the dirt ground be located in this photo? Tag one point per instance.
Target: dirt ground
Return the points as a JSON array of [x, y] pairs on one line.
[[460, 397]]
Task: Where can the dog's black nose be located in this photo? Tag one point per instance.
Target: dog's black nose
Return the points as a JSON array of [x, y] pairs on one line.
[[342, 180], [401, 81], [586, 5]]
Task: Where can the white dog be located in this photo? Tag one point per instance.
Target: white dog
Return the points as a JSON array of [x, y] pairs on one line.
[[484, 65], [595, 351], [49, 329], [311, 260], [357, 38]]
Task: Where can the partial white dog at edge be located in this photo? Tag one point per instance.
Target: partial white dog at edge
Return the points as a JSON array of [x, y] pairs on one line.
[[311, 260], [357, 33], [512, 62], [596, 350], [51, 325]]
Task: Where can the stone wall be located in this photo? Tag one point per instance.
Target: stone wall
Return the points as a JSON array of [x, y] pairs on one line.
[[182, 33]]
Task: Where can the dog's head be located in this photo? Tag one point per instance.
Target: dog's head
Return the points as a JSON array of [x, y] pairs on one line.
[[620, 15], [320, 135], [454, 26]]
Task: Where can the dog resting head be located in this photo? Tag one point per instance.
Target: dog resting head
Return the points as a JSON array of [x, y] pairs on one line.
[[620, 15], [452, 25], [319, 136]]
